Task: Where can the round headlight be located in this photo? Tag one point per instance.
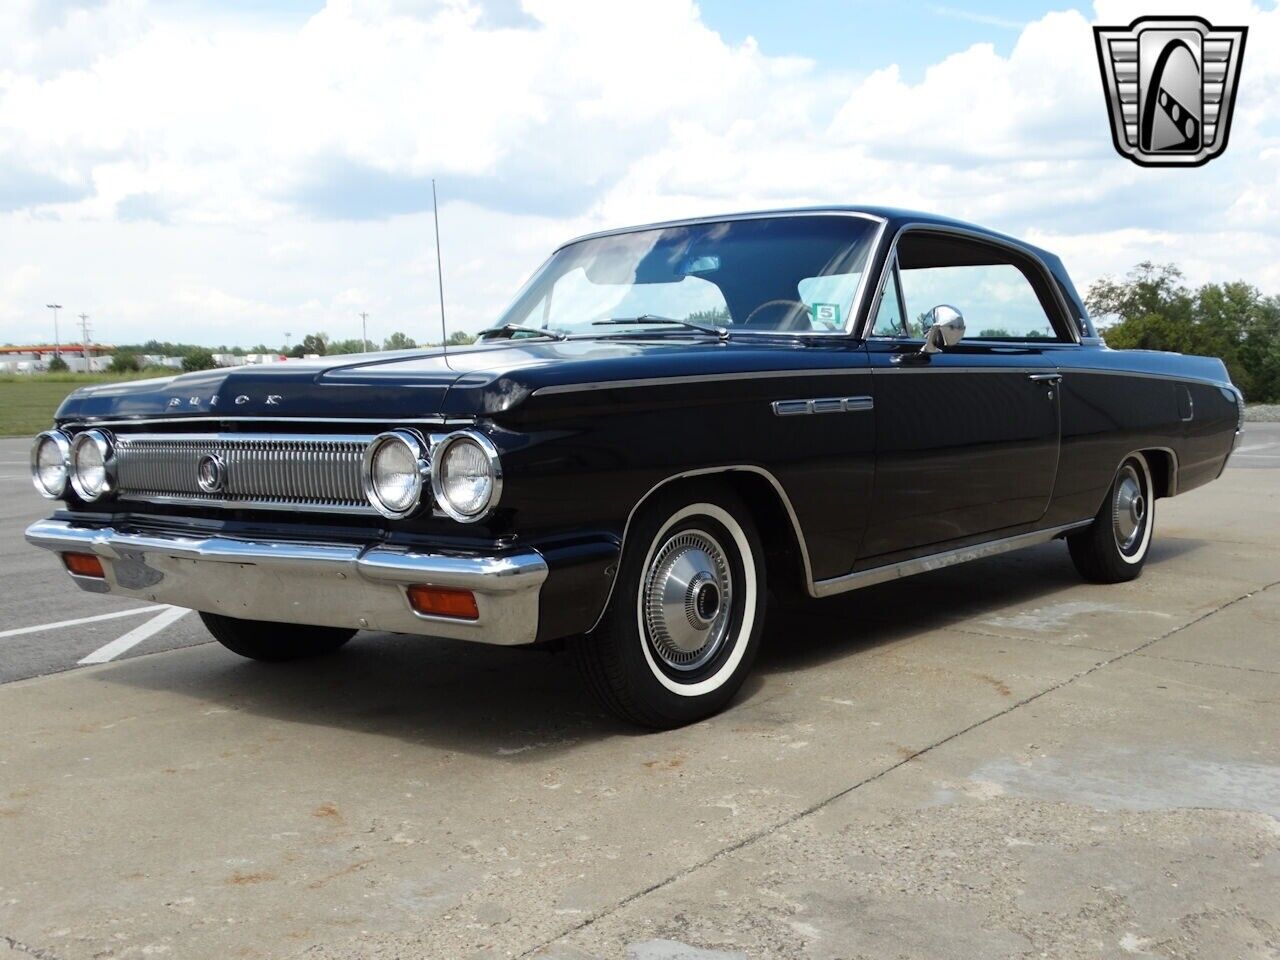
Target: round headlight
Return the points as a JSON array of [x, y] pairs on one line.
[[51, 463], [395, 465], [92, 464], [466, 475]]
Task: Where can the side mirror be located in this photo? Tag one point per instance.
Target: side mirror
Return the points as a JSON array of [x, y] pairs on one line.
[[945, 328]]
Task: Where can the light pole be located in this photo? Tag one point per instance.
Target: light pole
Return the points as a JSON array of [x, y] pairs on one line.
[[287, 335], [364, 333], [57, 347], [84, 339]]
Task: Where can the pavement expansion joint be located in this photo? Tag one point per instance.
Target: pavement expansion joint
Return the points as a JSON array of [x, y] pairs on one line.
[[808, 811], [1216, 666], [20, 947]]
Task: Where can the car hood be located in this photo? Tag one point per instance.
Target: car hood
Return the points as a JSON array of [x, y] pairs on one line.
[[478, 379]]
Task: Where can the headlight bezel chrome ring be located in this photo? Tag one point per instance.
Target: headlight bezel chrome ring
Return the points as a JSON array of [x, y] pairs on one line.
[[107, 449], [421, 453], [492, 456], [63, 443]]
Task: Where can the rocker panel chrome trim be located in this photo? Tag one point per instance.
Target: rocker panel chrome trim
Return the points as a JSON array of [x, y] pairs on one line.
[[861, 578], [937, 561]]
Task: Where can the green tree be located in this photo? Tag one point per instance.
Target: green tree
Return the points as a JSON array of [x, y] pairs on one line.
[[124, 362], [1154, 309], [399, 341], [460, 338], [355, 345], [198, 358], [58, 365], [315, 343], [716, 315]]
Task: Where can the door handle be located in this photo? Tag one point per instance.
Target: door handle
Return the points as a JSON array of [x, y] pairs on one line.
[[1045, 377]]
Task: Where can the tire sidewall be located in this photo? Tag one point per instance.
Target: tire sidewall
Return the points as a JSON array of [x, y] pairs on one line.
[[1137, 558], [657, 692]]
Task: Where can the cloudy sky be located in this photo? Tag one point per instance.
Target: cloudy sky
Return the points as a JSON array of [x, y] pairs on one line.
[[224, 171]]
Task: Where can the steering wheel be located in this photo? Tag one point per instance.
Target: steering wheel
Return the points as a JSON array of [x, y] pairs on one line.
[[792, 321]]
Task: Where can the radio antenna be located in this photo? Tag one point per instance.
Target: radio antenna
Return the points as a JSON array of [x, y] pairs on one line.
[[444, 330]]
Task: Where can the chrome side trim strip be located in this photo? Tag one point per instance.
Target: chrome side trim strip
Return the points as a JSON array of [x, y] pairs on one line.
[[793, 408], [795, 372], [936, 561], [1144, 375], [987, 368], [862, 578], [128, 422]]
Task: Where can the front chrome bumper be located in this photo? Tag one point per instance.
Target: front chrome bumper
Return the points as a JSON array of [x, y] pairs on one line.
[[331, 585]]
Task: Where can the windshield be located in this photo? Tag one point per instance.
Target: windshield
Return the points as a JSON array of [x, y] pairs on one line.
[[796, 274]]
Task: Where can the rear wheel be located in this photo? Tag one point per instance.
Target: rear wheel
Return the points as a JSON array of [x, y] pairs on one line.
[[687, 611], [274, 642], [1114, 547]]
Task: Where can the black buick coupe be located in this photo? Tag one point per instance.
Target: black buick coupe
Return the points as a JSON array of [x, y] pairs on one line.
[[668, 422]]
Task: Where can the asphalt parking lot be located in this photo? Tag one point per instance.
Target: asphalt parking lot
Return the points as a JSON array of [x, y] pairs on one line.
[[993, 760]]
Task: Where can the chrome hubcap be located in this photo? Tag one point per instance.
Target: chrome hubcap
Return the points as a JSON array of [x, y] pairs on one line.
[[1129, 510], [687, 599]]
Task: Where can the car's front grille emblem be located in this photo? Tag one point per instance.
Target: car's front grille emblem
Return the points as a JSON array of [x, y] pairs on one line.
[[211, 473]]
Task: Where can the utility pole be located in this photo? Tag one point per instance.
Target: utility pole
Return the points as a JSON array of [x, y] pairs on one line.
[[84, 339], [287, 335], [364, 333], [57, 346]]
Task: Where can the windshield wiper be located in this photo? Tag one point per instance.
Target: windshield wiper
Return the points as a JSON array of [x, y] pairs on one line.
[[509, 330], [721, 332]]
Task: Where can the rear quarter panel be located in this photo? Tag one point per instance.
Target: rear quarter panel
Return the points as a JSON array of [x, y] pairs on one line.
[[1117, 401]]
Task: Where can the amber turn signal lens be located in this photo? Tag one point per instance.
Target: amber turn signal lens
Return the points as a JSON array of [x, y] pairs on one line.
[[83, 565], [444, 602]]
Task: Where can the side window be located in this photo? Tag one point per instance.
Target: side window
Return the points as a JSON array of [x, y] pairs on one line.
[[889, 315], [996, 297]]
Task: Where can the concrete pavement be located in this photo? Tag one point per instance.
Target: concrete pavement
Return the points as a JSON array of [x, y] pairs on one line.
[[993, 760]]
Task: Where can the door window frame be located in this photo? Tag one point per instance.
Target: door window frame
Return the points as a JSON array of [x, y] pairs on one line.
[[893, 273], [1046, 289]]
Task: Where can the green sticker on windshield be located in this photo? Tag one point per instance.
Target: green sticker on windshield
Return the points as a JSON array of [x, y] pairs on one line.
[[828, 313]]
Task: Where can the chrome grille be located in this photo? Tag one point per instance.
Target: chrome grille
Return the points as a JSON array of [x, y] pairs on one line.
[[263, 471]]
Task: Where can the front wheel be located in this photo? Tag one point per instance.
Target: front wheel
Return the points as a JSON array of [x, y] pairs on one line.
[[1114, 547], [274, 642], [686, 614]]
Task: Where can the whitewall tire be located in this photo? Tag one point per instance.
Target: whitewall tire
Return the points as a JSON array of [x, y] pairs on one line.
[[686, 613], [1114, 547]]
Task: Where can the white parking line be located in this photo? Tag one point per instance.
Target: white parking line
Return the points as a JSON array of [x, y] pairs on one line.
[[75, 623], [135, 636]]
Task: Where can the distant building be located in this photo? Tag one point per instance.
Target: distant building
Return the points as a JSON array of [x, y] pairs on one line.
[[36, 358]]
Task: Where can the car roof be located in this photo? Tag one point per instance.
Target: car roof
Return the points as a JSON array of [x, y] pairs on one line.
[[894, 217]]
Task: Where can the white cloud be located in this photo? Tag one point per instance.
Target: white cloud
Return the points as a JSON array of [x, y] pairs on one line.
[[223, 178]]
